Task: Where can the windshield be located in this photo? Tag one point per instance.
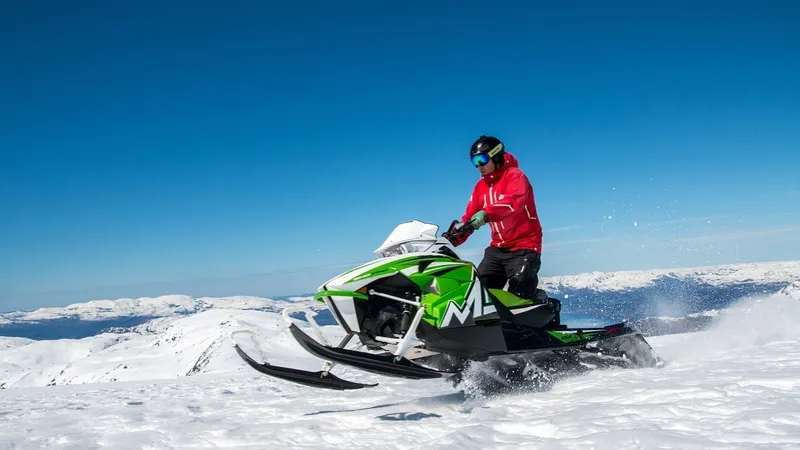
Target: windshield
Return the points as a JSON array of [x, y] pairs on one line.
[[406, 247]]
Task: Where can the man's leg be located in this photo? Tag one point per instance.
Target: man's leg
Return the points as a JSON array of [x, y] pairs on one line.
[[522, 269], [523, 272], [491, 269]]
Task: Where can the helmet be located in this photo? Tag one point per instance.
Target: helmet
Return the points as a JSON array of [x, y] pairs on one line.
[[485, 148]]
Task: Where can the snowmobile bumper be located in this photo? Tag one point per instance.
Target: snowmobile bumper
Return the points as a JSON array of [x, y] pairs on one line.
[[380, 364]]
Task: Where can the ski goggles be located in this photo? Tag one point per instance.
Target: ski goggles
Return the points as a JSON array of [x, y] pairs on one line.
[[481, 159]]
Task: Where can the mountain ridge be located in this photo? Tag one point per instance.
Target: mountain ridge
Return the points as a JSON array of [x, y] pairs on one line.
[[760, 272], [179, 304]]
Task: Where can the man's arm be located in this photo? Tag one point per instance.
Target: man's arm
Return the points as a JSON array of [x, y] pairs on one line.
[[514, 198], [473, 205]]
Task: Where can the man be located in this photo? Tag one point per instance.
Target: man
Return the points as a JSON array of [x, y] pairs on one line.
[[503, 199]]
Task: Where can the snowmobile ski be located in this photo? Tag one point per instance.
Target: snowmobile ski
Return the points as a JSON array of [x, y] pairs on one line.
[[380, 364], [321, 378]]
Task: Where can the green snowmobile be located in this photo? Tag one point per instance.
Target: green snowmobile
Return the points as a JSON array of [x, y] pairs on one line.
[[422, 312]]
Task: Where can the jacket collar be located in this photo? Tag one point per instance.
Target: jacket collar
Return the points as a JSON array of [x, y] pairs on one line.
[[509, 161]]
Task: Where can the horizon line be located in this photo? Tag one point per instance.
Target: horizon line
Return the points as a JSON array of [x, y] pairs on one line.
[[305, 294]]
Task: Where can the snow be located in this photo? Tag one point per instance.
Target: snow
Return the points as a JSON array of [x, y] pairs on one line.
[[763, 272], [792, 290], [735, 385]]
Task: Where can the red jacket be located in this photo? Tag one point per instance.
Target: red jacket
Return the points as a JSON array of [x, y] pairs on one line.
[[506, 196]]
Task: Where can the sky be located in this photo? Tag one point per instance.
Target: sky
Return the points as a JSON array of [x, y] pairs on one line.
[[259, 148]]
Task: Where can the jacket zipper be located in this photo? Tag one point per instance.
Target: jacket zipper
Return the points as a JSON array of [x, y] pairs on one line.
[[496, 227]]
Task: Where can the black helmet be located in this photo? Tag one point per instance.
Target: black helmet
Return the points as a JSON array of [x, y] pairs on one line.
[[489, 146]]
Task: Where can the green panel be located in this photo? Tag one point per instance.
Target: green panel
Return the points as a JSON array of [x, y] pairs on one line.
[[436, 305], [428, 315], [464, 273], [420, 279], [398, 265], [453, 278], [453, 286], [509, 299], [356, 295], [447, 284], [569, 338]]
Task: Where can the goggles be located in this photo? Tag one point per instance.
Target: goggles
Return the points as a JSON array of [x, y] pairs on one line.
[[481, 159]]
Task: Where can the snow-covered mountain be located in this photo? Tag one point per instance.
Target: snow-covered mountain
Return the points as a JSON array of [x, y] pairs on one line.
[[162, 306], [171, 305], [164, 348], [763, 273]]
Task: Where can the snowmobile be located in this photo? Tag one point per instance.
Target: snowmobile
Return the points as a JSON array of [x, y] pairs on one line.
[[422, 312]]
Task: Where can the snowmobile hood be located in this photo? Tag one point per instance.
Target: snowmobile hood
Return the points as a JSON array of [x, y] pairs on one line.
[[509, 161]]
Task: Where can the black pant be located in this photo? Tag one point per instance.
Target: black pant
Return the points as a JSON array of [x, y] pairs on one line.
[[519, 268]]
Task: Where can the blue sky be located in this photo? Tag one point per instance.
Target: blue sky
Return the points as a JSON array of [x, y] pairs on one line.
[[259, 148]]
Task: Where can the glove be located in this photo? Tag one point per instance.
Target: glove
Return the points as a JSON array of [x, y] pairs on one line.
[[479, 219], [461, 237]]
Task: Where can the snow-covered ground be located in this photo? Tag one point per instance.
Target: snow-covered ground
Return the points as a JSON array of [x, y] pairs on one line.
[[735, 385]]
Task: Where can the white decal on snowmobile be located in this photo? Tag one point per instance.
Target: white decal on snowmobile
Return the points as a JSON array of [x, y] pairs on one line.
[[472, 304]]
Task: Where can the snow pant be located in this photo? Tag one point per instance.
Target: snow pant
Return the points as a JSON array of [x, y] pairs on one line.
[[520, 269]]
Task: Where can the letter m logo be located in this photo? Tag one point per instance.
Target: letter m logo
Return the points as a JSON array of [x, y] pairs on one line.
[[476, 304]]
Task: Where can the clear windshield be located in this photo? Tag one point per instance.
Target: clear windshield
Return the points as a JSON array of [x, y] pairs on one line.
[[407, 247]]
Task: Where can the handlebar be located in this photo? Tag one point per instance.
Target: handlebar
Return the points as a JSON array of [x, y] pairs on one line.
[[453, 233]]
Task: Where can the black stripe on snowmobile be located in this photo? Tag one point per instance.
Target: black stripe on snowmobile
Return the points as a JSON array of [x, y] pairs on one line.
[[339, 316], [424, 265], [442, 271]]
